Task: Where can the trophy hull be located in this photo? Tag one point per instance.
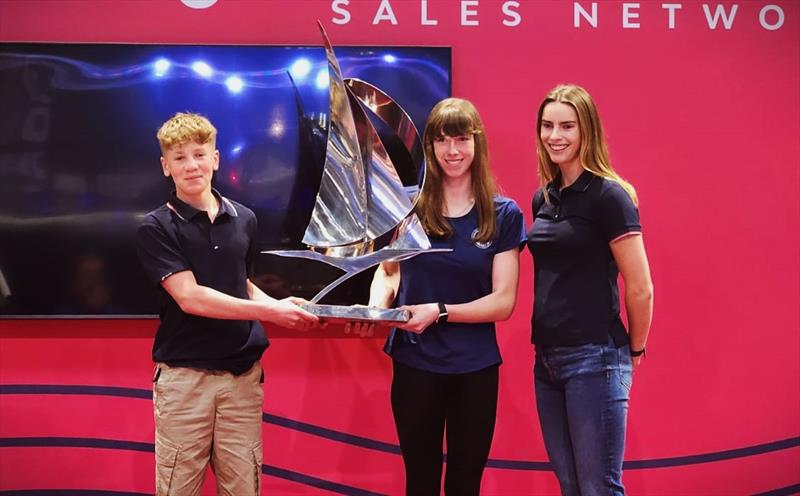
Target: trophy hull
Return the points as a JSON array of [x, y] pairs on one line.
[[375, 315]]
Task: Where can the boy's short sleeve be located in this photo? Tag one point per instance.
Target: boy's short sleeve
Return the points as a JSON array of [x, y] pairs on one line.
[[617, 214], [511, 227], [159, 253]]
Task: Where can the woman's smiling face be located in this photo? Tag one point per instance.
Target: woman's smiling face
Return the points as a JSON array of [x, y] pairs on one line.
[[560, 133], [454, 154]]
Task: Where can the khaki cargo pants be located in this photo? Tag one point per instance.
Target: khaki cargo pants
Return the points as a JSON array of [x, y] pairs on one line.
[[204, 416]]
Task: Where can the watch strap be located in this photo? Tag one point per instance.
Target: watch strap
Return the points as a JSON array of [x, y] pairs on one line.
[[442, 318]]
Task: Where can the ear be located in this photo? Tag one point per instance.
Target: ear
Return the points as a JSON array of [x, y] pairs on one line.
[[164, 167], [216, 160]]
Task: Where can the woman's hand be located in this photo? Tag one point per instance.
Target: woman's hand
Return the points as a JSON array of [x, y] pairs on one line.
[[360, 329], [381, 295], [422, 316]]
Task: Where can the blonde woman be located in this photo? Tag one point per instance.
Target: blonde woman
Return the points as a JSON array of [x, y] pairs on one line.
[[586, 232]]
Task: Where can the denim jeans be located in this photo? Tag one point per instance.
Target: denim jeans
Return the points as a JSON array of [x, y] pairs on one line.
[[582, 399]]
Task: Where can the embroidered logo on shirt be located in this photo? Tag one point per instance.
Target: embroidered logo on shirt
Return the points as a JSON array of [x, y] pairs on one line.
[[480, 244]]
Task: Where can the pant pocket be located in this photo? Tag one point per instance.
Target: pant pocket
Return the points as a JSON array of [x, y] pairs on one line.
[[257, 457], [158, 389], [625, 367], [166, 461]]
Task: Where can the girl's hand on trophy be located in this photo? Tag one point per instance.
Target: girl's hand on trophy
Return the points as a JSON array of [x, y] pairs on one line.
[[422, 316], [360, 329]]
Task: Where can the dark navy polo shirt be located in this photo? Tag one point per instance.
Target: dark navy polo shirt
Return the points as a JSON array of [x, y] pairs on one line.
[[177, 237], [459, 276], [576, 297]]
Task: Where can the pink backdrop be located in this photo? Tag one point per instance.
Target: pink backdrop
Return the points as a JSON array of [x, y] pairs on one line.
[[703, 120]]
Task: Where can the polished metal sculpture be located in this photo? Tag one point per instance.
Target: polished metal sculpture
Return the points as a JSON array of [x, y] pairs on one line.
[[362, 201]]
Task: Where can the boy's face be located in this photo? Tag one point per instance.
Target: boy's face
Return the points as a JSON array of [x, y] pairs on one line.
[[191, 166]]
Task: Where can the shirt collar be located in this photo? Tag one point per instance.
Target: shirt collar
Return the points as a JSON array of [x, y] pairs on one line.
[[186, 212], [580, 185]]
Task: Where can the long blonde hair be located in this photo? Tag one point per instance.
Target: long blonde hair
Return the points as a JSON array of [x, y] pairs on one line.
[[593, 153], [456, 117]]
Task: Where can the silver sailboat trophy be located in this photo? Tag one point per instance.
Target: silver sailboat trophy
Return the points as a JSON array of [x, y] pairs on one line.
[[362, 202]]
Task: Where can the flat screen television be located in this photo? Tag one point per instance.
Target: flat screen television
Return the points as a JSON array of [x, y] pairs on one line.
[[79, 162]]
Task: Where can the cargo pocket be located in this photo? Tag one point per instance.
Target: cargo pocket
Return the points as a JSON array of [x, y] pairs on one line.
[[256, 454], [166, 461]]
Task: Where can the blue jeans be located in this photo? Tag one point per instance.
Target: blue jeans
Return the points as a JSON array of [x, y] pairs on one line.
[[582, 398]]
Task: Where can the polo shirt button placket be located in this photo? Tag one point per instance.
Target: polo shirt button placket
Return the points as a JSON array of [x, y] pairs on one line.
[[560, 203], [212, 238]]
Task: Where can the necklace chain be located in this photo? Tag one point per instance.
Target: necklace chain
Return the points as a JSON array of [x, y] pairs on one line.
[[463, 211]]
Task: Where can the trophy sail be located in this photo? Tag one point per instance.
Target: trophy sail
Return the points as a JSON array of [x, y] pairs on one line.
[[339, 215], [362, 197], [387, 201], [384, 107]]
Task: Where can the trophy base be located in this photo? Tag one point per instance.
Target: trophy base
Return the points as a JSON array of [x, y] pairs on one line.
[[375, 315]]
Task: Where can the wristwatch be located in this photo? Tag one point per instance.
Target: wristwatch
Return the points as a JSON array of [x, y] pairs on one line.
[[635, 353], [442, 318]]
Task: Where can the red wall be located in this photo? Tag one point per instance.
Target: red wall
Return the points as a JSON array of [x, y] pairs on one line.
[[704, 122]]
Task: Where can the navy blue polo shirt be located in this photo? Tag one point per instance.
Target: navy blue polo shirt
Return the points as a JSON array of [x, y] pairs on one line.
[[177, 237], [458, 276], [576, 297]]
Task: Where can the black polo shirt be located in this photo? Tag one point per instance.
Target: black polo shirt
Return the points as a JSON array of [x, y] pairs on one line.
[[177, 237], [576, 297]]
